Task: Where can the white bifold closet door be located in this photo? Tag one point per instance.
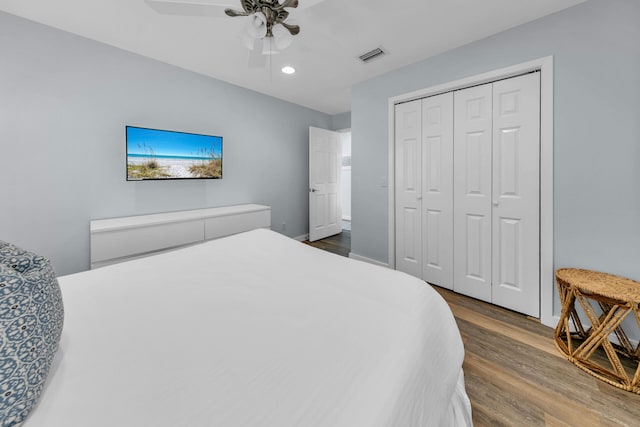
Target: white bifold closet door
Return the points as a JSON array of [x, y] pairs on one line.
[[408, 156], [473, 142], [424, 189], [437, 190], [516, 194], [497, 193], [468, 191]]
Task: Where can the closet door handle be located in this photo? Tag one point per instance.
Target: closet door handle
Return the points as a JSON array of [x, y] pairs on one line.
[[496, 203], [419, 198]]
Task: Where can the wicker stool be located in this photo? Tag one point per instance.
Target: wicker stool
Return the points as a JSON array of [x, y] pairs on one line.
[[616, 297]]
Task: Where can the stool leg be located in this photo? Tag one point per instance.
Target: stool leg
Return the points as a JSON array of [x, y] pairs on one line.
[[562, 328], [635, 384], [600, 336], [637, 315], [623, 339]]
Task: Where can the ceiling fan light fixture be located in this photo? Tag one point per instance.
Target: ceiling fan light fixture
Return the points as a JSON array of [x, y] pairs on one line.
[[288, 69], [266, 21], [281, 37], [256, 27]]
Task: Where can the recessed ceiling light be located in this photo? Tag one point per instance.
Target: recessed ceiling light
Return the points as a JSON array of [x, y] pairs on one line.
[[288, 69]]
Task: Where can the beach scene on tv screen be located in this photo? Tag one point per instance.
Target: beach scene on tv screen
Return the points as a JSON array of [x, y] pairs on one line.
[[159, 154]]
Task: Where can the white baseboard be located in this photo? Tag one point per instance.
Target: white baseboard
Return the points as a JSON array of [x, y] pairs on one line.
[[301, 238], [550, 322], [369, 260]]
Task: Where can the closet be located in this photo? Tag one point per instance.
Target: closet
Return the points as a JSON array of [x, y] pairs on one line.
[[467, 176]]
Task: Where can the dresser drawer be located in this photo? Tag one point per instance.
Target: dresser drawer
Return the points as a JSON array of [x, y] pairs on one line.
[[116, 244]]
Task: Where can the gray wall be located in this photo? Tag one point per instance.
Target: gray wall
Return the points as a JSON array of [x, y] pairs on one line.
[[341, 121], [596, 49], [64, 103]]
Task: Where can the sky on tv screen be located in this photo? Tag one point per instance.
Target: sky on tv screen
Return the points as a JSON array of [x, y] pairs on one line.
[[172, 144]]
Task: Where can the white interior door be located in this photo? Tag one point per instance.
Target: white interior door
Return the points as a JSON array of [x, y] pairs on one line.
[[516, 194], [472, 191], [408, 158], [325, 200], [437, 190]]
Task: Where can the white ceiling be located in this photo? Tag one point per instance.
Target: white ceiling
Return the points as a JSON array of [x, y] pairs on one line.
[[333, 34]]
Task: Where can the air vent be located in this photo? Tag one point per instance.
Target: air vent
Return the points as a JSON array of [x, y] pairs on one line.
[[371, 55]]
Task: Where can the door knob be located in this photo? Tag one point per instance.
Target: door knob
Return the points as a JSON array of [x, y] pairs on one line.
[[419, 198], [495, 203], [312, 190]]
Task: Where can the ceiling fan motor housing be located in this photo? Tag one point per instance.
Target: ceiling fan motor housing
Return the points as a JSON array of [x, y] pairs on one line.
[[273, 10]]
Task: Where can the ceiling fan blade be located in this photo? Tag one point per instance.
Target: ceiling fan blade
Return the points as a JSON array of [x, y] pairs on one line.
[[290, 3], [190, 7], [233, 13], [293, 29]]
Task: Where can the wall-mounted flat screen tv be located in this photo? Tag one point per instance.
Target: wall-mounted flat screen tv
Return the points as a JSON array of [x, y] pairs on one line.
[[154, 154]]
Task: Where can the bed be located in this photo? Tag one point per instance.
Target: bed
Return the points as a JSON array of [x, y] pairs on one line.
[[255, 329]]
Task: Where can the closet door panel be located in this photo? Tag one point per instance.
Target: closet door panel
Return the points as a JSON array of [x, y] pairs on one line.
[[516, 194], [437, 190], [408, 156], [472, 189]]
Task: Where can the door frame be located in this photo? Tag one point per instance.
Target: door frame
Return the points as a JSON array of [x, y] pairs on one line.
[[545, 66]]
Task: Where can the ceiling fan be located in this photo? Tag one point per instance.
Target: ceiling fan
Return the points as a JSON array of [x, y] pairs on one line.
[[265, 32]]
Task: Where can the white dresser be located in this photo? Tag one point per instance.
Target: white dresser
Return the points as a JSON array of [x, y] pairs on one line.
[[122, 239]]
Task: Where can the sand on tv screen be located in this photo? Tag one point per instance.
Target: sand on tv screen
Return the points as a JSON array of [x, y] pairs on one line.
[[154, 154]]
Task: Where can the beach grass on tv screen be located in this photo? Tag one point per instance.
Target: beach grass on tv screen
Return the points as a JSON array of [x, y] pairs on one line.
[[156, 154]]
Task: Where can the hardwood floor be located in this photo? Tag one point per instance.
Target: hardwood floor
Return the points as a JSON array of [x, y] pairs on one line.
[[515, 376], [339, 244]]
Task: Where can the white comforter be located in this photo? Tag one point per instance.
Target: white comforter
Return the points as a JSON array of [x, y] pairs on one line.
[[251, 330]]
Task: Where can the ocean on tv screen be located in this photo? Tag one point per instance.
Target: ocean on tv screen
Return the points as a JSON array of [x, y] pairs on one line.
[[159, 154]]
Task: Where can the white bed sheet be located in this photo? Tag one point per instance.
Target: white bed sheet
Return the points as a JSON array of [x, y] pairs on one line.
[[253, 330]]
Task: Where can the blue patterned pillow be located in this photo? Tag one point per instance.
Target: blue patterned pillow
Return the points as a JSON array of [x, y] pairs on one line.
[[31, 317], [19, 259]]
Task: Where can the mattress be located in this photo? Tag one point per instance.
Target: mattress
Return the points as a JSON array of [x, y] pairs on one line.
[[253, 330]]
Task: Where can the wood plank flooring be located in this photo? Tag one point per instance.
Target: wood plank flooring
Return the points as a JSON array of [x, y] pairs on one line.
[[516, 377], [339, 244]]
